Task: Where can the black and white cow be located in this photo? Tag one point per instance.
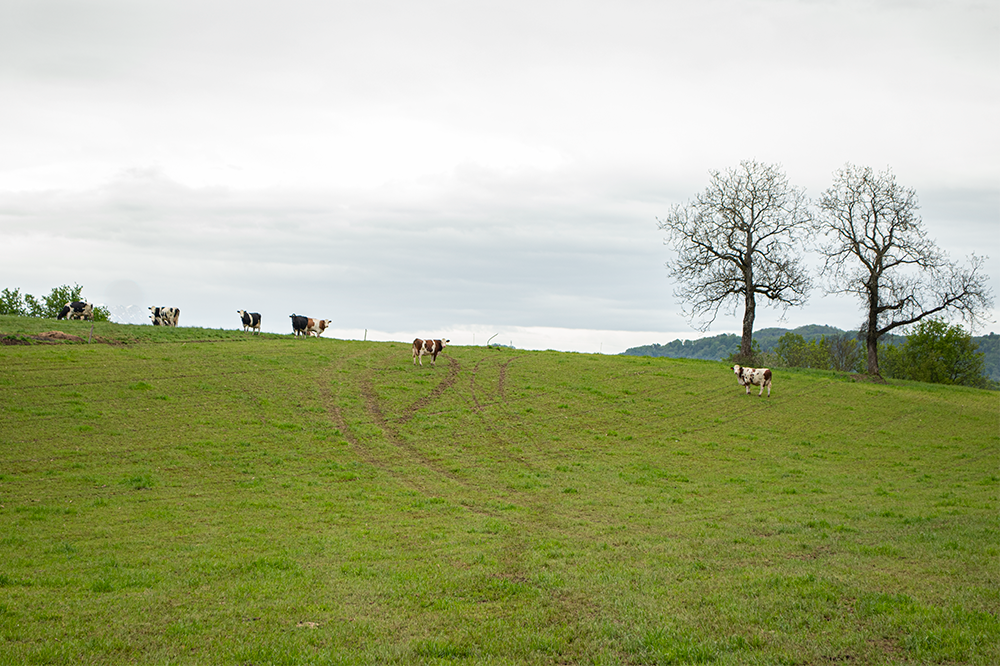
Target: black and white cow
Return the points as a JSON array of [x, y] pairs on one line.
[[251, 320], [431, 347], [753, 377], [76, 310], [299, 324], [165, 316]]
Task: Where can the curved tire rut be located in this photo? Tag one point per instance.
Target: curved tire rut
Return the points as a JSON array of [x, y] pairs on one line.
[[388, 426]]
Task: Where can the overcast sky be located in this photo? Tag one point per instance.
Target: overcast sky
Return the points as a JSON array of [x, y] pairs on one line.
[[463, 168]]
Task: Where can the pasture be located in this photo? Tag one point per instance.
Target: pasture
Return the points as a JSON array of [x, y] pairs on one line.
[[189, 496]]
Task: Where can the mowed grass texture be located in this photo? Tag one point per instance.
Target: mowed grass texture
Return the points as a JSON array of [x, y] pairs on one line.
[[206, 497]]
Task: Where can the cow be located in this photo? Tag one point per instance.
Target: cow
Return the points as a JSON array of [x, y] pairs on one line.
[[299, 324], [251, 320], [308, 326], [753, 377], [76, 310], [432, 347], [317, 326], [164, 316]]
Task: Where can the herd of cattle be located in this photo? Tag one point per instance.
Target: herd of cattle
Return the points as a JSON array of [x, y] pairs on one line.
[[308, 326]]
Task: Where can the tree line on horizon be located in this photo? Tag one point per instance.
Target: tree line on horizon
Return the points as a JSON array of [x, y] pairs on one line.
[[747, 234], [935, 352]]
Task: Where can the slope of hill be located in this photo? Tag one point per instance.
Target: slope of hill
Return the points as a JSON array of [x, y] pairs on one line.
[[214, 497]]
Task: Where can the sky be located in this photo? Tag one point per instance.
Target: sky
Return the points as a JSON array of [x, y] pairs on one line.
[[464, 169]]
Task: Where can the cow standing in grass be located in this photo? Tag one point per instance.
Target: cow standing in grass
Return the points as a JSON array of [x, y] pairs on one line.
[[308, 326], [164, 316], [76, 310], [432, 347], [251, 320], [753, 377]]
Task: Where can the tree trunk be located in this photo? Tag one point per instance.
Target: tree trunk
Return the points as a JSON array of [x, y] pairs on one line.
[[871, 332], [872, 342], [746, 342]]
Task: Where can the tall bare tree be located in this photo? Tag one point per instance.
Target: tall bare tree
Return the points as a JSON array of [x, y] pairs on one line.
[[876, 248], [736, 241]]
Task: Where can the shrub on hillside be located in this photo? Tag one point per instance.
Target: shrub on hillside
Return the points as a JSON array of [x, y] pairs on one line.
[[937, 353], [13, 303]]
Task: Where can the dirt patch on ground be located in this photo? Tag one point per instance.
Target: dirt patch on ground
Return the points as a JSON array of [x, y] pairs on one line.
[[46, 338], [57, 335]]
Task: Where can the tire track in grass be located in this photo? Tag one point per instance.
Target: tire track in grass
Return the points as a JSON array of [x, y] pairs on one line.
[[407, 452], [454, 368], [490, 424]]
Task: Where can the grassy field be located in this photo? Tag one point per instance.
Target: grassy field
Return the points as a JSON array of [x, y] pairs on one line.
[[190, 496]]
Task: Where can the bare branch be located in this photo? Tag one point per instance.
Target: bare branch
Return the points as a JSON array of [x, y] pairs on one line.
[[738, 239], [876, 248]]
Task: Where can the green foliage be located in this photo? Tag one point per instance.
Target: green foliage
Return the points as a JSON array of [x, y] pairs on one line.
[[937, 353], [845, 352], [794, 352], [755, 357], [13, 303], [713, 348], [59, 297]]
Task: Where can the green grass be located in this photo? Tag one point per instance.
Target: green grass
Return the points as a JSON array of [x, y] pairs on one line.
[[189, 496]]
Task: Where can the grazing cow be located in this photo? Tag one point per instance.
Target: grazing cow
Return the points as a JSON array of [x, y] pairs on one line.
[[76, 310], [251, 320], [432, 347], [165, 316], [753, 377]]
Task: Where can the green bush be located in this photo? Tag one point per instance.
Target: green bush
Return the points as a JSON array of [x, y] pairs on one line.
[[938, 354]]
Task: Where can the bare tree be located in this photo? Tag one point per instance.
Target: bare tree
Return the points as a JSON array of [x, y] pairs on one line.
[[876, 248], [736, 241]]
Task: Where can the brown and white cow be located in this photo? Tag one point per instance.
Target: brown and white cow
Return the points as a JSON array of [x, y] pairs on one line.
[[307, 326], [317, 326], [431, 347], [753, 377]]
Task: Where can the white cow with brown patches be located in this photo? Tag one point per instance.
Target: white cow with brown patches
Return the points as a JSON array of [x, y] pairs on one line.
[[432, 347], [753, 377]]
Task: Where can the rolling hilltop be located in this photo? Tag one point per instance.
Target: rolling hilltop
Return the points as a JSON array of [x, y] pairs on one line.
[[720, 347], [204, 496]]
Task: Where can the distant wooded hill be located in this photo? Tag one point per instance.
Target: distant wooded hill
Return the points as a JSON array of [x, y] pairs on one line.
[[719, 347]]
